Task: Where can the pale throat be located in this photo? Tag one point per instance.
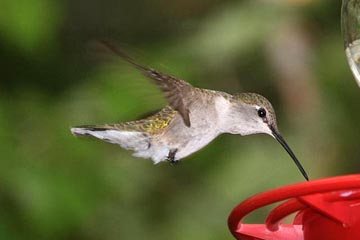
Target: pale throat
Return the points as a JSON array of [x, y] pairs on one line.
[[223, 108]]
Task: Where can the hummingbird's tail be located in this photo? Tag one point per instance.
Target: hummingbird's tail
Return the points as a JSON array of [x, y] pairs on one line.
[[130, 140], [86, 130]]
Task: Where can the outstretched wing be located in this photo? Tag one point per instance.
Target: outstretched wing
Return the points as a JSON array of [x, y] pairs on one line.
[[176, 91]]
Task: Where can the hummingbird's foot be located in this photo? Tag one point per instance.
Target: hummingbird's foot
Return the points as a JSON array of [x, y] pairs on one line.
[[171, 157]]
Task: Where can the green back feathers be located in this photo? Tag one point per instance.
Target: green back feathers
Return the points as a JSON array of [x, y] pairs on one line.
[[153, 124]]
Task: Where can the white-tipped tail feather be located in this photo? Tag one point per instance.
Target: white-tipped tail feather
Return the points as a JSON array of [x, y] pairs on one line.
[[135, 141], [138, 142]]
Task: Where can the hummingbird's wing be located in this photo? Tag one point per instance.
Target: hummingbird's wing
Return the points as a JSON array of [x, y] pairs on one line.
[[176, 91]]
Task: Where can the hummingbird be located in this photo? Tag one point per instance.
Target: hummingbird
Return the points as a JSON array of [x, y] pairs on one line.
[[191, 120]]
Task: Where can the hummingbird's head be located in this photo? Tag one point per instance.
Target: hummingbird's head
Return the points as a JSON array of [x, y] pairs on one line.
[[256, 115]]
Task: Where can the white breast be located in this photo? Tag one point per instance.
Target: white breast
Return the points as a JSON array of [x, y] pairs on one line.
[[208, 125], [196, 143]]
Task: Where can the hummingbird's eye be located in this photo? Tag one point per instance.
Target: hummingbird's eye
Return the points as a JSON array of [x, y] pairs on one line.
[[262, 112]]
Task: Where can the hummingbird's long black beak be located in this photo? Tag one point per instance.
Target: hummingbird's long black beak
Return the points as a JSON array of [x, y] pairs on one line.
[[287, 148]]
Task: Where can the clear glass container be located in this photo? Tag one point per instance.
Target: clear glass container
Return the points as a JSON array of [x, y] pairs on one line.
[[350, 23]]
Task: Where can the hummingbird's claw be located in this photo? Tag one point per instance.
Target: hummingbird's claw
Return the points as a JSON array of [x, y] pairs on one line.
[[171, 157], [173, 163]]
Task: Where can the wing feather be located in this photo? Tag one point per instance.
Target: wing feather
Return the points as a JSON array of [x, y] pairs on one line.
[[176, 91]]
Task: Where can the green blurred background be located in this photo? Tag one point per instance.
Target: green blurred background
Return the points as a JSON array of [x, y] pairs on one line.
[[56, 186]]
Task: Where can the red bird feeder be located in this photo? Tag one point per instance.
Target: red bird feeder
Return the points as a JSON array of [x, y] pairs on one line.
[[326, 209]]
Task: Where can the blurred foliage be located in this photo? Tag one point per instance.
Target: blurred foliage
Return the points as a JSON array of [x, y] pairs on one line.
[[54, 186]]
